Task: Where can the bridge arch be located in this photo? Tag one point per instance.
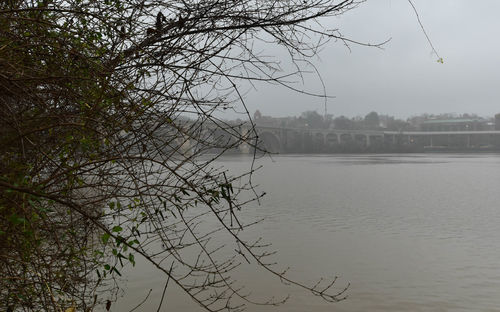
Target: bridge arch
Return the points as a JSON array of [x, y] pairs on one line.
[[319, 138], [346, 138], [361, 139], [269, 142], [331, 139]]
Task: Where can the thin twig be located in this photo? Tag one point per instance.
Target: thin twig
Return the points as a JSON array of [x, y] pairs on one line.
[[142, 302], [423, 30], [165, 288]]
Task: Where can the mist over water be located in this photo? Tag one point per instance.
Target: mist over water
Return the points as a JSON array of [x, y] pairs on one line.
[[408, 232]]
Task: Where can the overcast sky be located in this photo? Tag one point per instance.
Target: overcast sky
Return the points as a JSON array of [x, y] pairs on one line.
[[404, 79]]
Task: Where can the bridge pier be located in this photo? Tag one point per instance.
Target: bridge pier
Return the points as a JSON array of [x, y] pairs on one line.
[[244, 148]]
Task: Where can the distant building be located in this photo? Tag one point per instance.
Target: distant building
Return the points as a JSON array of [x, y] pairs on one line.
[[459, 124], [497, 122], [257, 115]]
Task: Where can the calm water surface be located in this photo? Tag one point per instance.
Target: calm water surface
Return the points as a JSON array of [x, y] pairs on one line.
[[408, 232]]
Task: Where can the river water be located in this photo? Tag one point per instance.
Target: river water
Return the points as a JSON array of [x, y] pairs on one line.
[[414, 232]]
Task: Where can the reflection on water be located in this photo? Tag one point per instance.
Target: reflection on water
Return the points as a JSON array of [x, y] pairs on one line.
[[409, 232]]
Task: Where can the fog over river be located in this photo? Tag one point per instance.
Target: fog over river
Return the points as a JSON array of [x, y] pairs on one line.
[[414, 232]]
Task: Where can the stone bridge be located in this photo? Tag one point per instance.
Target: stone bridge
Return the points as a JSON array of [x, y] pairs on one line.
[[295, 140], [303, 140]]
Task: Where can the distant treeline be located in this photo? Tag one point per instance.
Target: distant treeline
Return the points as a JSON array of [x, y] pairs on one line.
[[371, 121]]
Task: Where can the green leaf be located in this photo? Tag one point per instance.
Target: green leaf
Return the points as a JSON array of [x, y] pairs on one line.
[[117, 229], [135, 241], [105, 237], [15, 219]]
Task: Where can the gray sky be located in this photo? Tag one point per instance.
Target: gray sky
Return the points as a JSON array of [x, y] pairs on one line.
[[403, 79]]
